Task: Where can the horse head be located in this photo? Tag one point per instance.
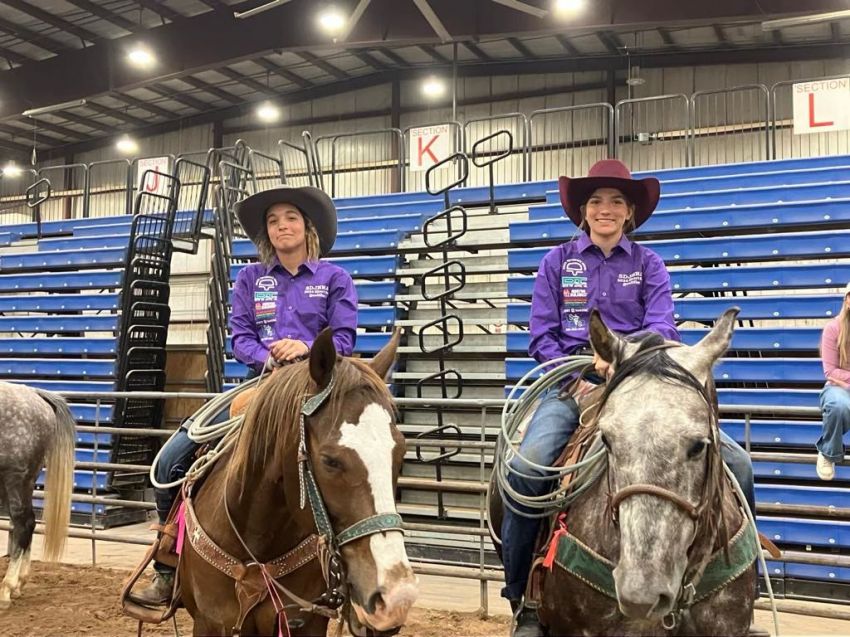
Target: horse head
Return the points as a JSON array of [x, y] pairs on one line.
[[356, 452], [658, 421]]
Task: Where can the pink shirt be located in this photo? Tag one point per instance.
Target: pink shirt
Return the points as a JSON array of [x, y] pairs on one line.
[[829, 353]]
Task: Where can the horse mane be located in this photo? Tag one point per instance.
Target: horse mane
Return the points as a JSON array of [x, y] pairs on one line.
[[651, 359], [271, 424]]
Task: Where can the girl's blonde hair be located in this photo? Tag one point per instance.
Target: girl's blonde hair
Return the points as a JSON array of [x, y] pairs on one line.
[[266, 249], [844, 335]]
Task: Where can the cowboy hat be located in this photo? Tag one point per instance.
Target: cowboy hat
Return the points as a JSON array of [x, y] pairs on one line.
[[609, 173], [313, 203]]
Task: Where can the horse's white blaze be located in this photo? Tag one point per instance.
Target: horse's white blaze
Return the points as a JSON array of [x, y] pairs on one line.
[[371, 439]]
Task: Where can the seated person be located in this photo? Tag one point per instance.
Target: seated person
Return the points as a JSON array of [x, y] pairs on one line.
[[835, 397], [280, 305], [630, 286]]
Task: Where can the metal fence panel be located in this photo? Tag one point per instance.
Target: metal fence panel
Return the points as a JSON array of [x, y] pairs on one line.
[[70, 184], [443, 176], [295, 160], [362, 163], [514, 167], [653, 132], [266, 170], [13, 197], [110, 188], [730, 125], [569, 140], [787, 145]]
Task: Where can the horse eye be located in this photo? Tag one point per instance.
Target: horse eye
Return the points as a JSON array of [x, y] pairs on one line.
[[696, 449], [331, 463]]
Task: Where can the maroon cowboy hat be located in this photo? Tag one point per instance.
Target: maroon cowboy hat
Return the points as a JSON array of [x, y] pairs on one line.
[[609, 173]]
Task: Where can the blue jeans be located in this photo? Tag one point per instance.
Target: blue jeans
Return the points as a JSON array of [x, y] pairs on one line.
[[835, 405], [548, 433]]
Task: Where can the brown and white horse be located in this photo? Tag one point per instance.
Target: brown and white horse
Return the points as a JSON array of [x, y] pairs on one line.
[[329, 422]]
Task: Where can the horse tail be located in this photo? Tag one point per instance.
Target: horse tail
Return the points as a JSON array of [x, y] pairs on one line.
[[60, 477]]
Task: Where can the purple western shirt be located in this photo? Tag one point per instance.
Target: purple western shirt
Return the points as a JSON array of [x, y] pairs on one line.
[[630, 288], [270, 304]]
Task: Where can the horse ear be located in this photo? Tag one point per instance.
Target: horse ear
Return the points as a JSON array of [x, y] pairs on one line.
[[323, 358], [715, 344], [385, 359], [602, 339]]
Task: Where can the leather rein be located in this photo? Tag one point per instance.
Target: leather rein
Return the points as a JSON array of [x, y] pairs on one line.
[[256, 580]]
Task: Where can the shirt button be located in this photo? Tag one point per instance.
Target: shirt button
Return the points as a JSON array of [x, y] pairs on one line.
[[289, 307], [604, 294]]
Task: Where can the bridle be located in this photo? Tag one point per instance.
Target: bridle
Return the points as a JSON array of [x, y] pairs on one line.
[[696, 512], [330, 543]]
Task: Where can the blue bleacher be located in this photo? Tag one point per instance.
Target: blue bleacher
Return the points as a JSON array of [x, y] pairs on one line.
[[697, 199], [744, 338], [706, 309], [42, 261], [84, 323], [721, 249], [55, 346], [59, 281], [59, 303], [758, 370], [795, 433], [772, 277], [717, 220], [754, 180], [57, 367], [362, 267]]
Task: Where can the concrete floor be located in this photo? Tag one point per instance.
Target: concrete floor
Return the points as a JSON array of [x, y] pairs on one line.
[[436, 592]]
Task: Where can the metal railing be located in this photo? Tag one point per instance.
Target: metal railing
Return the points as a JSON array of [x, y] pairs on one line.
[[514, 167], [653, 132], [481, 446], [363, 162], [570, 139], [730, 125]]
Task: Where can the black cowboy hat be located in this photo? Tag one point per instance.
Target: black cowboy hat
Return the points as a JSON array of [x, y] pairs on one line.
[[313, 203], [609, 173]]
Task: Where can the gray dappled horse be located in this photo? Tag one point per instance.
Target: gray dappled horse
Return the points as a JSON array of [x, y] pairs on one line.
[[35, 426], [662, 513]]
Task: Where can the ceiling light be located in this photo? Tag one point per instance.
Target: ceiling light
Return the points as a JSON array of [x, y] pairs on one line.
[[568, 7], [12, 170], [332, 21], [268, 112], [127, 145], [141, 58], [433, 88]]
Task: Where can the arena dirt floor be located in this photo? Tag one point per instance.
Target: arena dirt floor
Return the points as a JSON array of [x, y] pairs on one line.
[[74, 599]]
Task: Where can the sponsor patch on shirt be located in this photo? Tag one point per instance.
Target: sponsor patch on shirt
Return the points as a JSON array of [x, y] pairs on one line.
[[265, 283], [574, 293], [265, 304], [631, 278], [317, 291], [573, 267]]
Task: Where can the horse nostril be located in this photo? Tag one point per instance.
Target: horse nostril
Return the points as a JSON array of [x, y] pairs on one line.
[[664, 604], [376, 603]]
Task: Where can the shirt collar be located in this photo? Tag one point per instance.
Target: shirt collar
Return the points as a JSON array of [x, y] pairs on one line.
[[583, 243], [312, 266]]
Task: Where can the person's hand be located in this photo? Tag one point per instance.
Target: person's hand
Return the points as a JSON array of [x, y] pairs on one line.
[[271, 364], [603, 368], [286, 350]]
